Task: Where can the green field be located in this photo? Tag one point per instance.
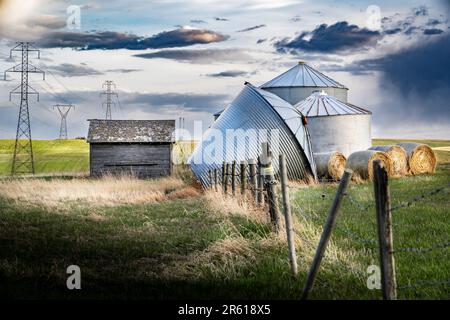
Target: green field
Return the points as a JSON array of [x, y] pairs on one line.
[[51, 156], [151, 240]]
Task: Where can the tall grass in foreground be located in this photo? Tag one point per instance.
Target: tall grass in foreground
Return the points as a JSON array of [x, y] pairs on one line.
[[109, 190]]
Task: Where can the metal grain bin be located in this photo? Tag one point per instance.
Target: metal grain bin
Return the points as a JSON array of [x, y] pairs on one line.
[[273, 119], [301, 81], [335, 125]]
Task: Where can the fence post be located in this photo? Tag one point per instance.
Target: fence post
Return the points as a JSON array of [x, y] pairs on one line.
[[224, 175], [233, 177], [243, 171], [269, 183], [287, 215], [260, 186], [227, 174], [253, 178], [385, 238], [215, 179], [210, 179], [325, 237]]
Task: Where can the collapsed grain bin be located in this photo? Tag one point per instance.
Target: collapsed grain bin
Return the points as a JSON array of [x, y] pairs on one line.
[[398, 156], [335, 125], [255, 116], [361, 162], [142, 148], [421, 158], [300, 81], [330, 165]]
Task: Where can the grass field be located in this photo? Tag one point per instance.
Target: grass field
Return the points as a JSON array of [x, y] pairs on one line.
[[165, 239], [51, 156]]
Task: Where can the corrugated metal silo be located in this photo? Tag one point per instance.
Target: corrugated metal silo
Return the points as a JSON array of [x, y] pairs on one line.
[[256, 110], [300, 81], [335, 125]]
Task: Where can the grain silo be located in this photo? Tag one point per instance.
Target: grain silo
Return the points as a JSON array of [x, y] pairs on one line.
[[335, 125], [255, 116], [300, 81]]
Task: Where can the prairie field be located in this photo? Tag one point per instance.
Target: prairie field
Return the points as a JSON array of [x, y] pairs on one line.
[[57, 157], [168, 239]]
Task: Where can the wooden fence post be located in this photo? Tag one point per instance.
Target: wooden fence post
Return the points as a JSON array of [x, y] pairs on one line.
[[224, 176], [253, 178], [325, 237], [269, 183], [233, 178], [227, 174], [215, 179], [243, 171], [385, 238], [210, 179], [260, 185], [287, 215]]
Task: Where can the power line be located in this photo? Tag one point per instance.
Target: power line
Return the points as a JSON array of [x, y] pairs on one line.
[[62, 84], [63, 110], [108, 85], [23, 159]]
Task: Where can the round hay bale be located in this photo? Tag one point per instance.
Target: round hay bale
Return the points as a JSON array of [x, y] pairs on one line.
[[330, 164], [398, 156], [421, 158], [361, 162]]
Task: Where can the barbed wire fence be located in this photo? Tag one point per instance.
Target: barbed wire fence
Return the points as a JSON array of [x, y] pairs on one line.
[[425, 195], [374, 244], [247, 179]]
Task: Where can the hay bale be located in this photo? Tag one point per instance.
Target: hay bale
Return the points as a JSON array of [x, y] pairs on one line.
[[398, 156], [361, 162], [330, 165], [421, 158]]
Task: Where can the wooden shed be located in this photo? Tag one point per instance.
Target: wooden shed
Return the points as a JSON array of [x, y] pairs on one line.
[[142, 148]]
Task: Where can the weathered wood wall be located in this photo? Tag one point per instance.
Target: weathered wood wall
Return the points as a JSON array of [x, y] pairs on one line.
[[142, 160]]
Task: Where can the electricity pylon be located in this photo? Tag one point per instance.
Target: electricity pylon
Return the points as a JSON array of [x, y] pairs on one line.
[[23, 160], [108, 85], [63, 110]]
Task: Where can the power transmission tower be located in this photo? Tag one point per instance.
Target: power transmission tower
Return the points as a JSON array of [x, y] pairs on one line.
[[109, 92], [63, 110], [23, 160]]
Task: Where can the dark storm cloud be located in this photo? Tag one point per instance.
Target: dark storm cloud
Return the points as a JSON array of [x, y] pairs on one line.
[[187, 101], [392, 31], [199, 56], [109, 40], [252, 28], [182, 38], [421, 69], [415, 82], [229, 74], [330, 38], [420, 11], [432, 31], [412, 24], [411, 30], [73, 70], [433, 22]]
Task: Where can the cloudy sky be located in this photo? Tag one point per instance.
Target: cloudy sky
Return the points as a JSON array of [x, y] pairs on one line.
[[177, 58]]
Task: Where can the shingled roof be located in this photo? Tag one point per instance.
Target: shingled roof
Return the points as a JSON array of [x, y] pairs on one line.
[[130, 131]]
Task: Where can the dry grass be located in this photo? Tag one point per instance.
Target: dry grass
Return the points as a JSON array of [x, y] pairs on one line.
[[234, 256], [225, 205], [106, 191]]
